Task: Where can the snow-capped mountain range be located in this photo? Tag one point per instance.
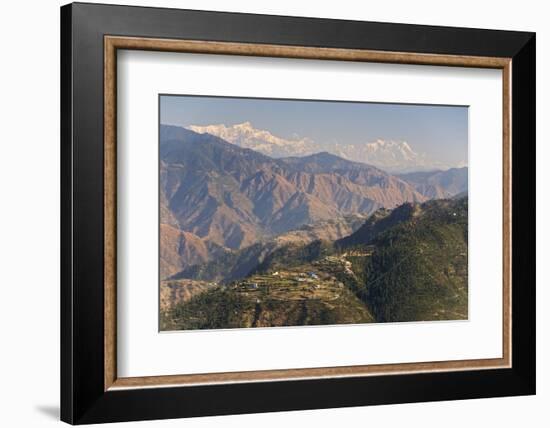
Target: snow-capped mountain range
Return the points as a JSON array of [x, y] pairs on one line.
[[246, 136], [392, 156]]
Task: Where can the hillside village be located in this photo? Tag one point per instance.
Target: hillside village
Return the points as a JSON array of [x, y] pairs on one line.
[[321, 281]]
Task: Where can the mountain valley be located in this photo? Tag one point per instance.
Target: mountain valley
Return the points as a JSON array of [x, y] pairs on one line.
[[249, 240]]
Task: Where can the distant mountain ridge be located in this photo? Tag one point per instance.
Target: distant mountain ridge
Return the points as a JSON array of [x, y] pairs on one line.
[[439, 184], [216, 195]]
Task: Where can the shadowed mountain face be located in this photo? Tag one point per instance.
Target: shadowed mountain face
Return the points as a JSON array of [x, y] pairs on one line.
[[439, 184], [216, 196], [237, 264]]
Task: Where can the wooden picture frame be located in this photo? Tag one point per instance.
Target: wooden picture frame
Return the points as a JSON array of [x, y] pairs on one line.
[[91, 390]]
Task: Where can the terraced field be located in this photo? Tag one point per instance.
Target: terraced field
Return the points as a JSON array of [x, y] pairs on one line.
[[301, 295]]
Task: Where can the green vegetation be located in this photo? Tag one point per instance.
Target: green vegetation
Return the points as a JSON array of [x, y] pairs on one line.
[[302, 295], [408, 264], [295, 255], [418, 270], [257, 258]]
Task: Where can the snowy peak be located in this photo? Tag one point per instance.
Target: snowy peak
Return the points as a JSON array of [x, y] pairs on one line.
[[246, 136], [405, 159], [400, 146], [389, 155], [391, 149]]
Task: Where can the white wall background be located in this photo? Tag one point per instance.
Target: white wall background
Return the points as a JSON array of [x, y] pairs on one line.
[[29, 214]]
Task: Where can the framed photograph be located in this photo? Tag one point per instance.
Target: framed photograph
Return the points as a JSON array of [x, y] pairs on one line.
[[265, 213]]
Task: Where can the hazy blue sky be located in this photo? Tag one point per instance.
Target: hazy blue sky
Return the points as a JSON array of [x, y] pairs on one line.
[[441, 132]]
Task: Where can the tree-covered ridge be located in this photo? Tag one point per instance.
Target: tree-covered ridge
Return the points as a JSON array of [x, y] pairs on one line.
[[418, 269], [406, 264]]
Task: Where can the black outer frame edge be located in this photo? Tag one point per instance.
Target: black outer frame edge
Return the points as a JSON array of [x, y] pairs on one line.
[[169, 403], [300, 31], [83, 398], [66, 316], [524, 213]]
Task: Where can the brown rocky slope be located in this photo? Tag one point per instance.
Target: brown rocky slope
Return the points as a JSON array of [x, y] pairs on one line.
[[218, 195]]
